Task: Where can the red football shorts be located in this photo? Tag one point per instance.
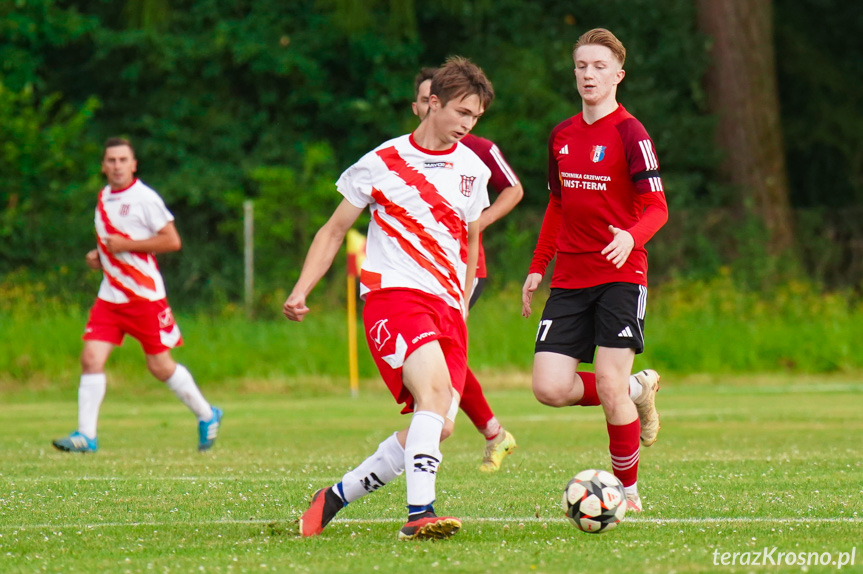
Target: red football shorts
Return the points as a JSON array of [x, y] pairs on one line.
[[151, 322], [399, 321]]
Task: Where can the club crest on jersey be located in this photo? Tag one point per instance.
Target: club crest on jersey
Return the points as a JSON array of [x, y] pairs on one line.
[[124, 209], [466, 185], [438, 164], [597, 153], [379, 333]]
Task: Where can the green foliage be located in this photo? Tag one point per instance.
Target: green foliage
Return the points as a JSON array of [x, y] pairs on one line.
[[508, 245], [719, 326], [831, 245], [146, 13], [223, 98], [47, 181], [290, 205], [217, 95], [821, 113], [391, 17], [529, 60], [31, 32]]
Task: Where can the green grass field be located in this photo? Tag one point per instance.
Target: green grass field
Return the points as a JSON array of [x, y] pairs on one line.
[[740, 466]]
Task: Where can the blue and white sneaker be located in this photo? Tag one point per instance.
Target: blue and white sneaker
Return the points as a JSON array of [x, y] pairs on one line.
[[76, 442], [208, 430]]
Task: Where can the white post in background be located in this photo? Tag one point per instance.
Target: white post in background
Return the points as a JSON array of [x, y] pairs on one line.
[[249, 254]]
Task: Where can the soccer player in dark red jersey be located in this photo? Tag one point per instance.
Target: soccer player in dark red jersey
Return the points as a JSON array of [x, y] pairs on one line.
[[498, 441], [606, 201]]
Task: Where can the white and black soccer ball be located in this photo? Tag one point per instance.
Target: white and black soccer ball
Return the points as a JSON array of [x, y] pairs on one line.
[[594, 501]]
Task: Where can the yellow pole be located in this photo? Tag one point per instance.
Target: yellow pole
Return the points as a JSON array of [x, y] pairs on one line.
[[353, 367]]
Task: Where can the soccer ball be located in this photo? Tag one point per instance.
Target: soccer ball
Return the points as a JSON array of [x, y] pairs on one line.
[[594, 501]]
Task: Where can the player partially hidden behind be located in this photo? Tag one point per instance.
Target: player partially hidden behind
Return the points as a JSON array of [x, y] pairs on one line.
[[132, 225], [499, 442], [606, 202], [425, 192]]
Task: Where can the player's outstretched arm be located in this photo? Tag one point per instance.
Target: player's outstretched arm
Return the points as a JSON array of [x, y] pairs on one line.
[[473, 232], [323, 250], [505, 202], [530, 285]]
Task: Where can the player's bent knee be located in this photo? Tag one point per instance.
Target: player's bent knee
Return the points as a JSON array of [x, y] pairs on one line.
[[161, 374], [92, 362], [437, 398], [550, 396], [549, 391], [161, 366], [613, 399]]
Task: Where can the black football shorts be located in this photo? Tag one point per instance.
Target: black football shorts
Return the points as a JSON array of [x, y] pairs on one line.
[[577, 321]]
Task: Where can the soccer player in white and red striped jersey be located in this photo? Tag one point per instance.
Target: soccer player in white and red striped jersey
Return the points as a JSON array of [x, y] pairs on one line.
[[606, 202], [132, 226], [426, 192], [498, 441]]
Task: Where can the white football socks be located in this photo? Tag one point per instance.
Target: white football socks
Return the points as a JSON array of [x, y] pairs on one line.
[[91, 391], [422, 457], [384, 465], [492, 429], [634, 388], [183, 385]]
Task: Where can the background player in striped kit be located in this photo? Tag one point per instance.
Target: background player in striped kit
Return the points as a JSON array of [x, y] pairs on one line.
[[499, 442], [132, 225], [606, 201], [426, 192]]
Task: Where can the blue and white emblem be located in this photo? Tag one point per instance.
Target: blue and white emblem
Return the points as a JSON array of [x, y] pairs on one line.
[[597, 153]]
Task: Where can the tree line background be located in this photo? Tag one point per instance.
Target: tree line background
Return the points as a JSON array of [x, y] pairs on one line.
[[752, 105]]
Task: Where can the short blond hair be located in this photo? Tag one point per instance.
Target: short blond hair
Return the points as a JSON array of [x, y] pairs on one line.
[[602, 37]]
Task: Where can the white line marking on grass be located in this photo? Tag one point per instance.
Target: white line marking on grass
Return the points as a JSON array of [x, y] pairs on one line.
[[141, 480], [790, 389], [753, 519], [735, 415], [583, 417], [637, 520], [496, 519]]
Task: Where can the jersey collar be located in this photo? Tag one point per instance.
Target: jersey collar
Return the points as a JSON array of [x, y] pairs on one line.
[[428, 151], [134, 181]]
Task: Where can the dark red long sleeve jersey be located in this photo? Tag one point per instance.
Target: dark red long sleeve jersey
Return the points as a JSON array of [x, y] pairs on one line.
[[502, 177], [599, 174]]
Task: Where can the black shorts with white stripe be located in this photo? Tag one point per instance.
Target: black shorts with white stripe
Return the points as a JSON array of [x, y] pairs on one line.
[[577, 321]]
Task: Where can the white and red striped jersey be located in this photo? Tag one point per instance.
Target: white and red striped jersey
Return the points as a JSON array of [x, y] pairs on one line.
[[137, 213], [421, 202]]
